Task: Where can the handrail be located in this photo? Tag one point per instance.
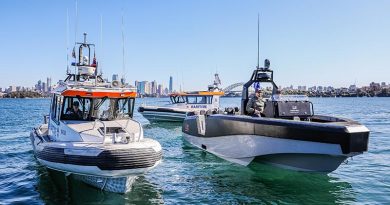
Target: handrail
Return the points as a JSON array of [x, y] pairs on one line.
[[105, 129], [124, 128], [140, 128]]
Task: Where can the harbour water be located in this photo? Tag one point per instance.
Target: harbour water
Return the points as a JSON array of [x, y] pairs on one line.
[[190, 176]]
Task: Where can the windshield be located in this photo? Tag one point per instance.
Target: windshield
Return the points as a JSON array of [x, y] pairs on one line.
[[89, 109], [177, 99]]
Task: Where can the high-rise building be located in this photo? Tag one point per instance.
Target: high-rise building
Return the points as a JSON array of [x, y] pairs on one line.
[[48, 84], [137, 86], [160, 90], [143, 87], [153, 87], [44, 87], [39, 85], [170, 84], [148, 88]]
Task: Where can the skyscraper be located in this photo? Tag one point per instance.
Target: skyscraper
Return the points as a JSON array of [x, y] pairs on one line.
[[48, 84], [170, 84], [153, 87]]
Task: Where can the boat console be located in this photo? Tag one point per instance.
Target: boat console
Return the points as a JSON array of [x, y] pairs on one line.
[[289, 107]]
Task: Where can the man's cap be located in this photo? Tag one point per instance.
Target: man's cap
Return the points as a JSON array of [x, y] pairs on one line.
[[76, 103], [259, 91]]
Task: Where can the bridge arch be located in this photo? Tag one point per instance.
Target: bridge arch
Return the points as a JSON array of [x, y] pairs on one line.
[[232, 86]]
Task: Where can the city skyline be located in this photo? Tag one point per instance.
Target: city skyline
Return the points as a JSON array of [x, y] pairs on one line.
[[145, 87], [305, 43]]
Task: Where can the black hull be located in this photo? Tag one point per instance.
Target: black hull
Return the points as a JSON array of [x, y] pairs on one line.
[[351, 136]]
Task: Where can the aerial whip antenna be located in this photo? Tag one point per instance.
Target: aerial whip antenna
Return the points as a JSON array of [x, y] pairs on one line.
[[123, 48], [75, 37], [101, 42], [258, 39], [67, 42]]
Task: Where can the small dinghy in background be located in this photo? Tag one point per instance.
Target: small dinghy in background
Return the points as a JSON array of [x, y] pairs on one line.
[[90, 132], [289, 135]]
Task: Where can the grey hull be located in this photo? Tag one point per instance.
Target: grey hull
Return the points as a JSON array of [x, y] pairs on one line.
[[303, 162]]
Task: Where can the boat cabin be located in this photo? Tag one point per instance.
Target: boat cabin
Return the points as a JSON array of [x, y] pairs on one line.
[[85, 108], [197, 99], [80, 105]]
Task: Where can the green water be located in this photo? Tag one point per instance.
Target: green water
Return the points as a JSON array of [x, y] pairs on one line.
[[188, 175]]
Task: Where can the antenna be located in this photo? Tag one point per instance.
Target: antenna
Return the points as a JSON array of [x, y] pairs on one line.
[[67, 42], [101, 42], [75, 35], [123, 47], [258, 39]]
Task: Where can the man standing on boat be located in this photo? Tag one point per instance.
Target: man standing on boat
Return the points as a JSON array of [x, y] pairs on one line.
[[255, 105]]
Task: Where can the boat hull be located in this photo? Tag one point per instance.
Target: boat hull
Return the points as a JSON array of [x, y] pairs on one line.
[[108, 167], [163, 114], [302, 146], [117, 185], [290, 154]]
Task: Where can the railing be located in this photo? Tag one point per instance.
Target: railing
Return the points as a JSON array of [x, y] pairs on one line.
[[105, 129], [140, 128]]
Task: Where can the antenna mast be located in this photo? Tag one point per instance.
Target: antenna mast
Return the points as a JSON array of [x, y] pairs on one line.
[[67, 42], [75, 36], [258, 39], [101, 42], [123, 49]]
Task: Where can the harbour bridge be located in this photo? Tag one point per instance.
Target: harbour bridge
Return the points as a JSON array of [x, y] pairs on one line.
[[233, 89]]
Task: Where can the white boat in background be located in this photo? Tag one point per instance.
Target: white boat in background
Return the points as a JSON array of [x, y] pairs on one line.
[[90, 132], [184, 102]]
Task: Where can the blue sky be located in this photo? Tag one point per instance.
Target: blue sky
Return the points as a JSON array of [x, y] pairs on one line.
[[309, 42]]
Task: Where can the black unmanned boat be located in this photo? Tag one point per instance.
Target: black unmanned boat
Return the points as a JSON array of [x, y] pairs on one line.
[[288, 135]]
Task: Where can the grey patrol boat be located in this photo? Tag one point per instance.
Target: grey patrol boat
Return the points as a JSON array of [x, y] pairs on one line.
[[288, 135]]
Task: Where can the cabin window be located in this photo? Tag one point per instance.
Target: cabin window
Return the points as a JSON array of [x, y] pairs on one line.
[[177, 99], [199, 99], [209, 99], [75, 108], [55, 108], [113, 109], [58, 109], [90, 109]]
